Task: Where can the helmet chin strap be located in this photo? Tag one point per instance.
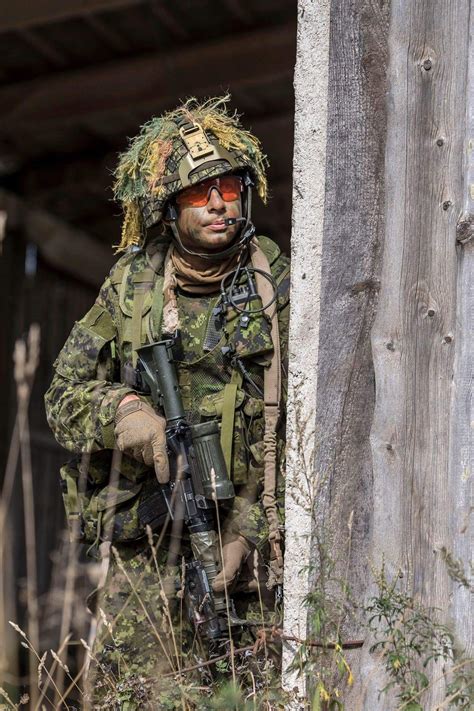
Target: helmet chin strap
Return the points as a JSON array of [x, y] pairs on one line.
[[247, 231]]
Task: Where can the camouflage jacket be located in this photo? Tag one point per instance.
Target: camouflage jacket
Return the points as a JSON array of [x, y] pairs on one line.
[[90, 380]]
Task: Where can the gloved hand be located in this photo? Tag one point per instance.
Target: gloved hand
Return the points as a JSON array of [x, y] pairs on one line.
[[234, 554], [140, 432]]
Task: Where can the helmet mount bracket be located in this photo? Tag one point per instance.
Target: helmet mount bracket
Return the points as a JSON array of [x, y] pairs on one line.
[[201, 151]]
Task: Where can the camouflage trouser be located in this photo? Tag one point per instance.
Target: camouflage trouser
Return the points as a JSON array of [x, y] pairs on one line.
[[145, 638]]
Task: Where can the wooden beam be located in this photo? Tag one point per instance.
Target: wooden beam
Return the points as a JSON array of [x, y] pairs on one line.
[[94, 169], [462, 445], [62, 246], [165, 16], [24, 13], [155, 79], [42, 47], [241, 13], [350, 273], [111, 38], [419, 511]]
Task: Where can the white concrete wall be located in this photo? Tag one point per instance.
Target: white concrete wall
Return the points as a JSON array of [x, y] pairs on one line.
[[311, 87]]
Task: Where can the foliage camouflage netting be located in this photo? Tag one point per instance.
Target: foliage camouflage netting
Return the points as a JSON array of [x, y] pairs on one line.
[[155, 153]]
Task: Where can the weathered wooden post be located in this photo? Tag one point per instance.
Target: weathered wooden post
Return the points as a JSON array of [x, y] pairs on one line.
[[462, 419], [421, 512], [382, 296]]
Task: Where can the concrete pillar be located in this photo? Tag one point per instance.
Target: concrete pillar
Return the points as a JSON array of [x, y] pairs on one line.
[[311, 87]]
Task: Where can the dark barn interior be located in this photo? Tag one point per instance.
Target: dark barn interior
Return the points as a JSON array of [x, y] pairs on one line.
[[77, 78]]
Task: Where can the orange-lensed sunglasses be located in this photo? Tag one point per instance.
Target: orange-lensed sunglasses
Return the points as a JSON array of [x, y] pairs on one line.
[[229, 187]]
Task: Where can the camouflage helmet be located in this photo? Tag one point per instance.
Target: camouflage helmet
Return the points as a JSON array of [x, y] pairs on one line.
[[194, 142]]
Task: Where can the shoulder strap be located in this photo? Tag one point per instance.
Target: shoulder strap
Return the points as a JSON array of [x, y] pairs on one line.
[[143, 282], [271, 398], [228, 416], [270, 248]]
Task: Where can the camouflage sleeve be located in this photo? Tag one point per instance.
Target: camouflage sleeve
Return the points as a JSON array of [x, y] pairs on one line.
[[83, 396], [284, 325], [248, 520]]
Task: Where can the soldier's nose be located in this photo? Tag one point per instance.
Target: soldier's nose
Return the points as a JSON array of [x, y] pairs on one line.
[[215, 200]]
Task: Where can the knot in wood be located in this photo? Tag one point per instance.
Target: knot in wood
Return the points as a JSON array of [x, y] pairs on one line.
[[465, 229], [427, 64]]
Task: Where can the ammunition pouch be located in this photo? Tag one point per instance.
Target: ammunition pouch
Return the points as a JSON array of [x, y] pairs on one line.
[[249, 334], [247, 425], [118, 511]]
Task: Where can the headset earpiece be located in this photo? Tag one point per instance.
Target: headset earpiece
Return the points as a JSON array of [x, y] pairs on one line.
[[248, 182], [170, 213]]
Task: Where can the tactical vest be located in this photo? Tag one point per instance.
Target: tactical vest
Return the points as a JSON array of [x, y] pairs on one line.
[[138, 280]]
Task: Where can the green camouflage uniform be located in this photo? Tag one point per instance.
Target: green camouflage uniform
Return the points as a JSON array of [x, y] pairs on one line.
[[103, 488]]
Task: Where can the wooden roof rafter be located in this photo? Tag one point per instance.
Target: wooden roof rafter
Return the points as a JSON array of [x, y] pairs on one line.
[[110, 65], [162, 11], [73, 95], [239, 11], [92, 169], [24, 13], [111, 37], [42, 47]]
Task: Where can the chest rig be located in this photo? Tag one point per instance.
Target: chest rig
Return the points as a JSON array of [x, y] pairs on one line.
[[140, 292]]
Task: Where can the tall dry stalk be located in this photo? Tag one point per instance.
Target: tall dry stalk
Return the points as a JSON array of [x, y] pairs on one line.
[[72, 564], [26, 359], [7, 605], [226, 593], [66, 614]]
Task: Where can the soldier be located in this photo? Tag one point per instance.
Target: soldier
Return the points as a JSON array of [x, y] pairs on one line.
[[193, 271]]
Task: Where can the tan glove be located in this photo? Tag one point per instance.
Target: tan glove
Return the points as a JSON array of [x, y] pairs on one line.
[[234, 555], [140, 432]]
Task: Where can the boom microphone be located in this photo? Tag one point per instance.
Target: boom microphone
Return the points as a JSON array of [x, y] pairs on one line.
[[229, 221]]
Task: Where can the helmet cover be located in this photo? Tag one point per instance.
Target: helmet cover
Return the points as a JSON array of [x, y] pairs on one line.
[[194, 142]]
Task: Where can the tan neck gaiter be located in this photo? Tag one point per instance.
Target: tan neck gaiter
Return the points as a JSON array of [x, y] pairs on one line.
[[192, 274], [200, 276]]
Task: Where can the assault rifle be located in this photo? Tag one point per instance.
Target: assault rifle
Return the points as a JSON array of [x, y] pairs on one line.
[[198, 479]]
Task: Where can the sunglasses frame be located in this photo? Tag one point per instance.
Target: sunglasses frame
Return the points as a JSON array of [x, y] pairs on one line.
[[213, 183]]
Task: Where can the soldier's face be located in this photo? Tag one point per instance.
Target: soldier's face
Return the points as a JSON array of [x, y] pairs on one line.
[[204, 228]]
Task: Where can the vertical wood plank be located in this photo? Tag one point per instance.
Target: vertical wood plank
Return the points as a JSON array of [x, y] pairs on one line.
[[413, 338], [461, 475], [350, 281]]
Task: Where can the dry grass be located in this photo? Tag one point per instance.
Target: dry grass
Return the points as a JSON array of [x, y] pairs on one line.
[[58, 678]]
